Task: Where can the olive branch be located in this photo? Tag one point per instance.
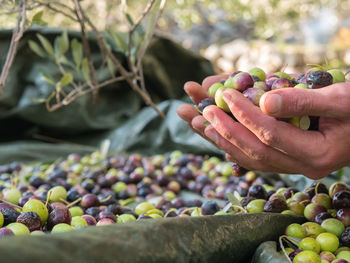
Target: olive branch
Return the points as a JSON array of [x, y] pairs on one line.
[[79, 75]]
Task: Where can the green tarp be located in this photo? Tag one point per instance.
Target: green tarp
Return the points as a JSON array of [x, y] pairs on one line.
[[230, 238], [167, 66]]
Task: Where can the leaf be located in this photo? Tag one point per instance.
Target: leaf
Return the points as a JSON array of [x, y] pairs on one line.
[[66, 79], [120, 41], [65, 61], [85, 69], [77, 51], [206, 123], [46, 77], [61, 45], [126, 201], [294, 241], [237, 195], [45, 100], [37, 19], [36, 48], [152, 18], [233, 199], [39, 100], [64, 43], [104, 149], [111, 67], [227, 207], [46, 44], [129, 18]]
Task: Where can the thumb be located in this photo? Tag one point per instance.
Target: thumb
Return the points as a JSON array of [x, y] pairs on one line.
[[332, 101]]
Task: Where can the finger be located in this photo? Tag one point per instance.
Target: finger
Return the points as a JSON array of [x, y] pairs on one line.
[[277, 134], [195, 91], [208, 81], [245, 140], [236, 154], [239, 157], [198, 123], [331, 101], [187, 112], [229, 158]]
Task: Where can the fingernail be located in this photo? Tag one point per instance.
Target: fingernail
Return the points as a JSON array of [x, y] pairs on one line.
[[212, 135], [273, 103], [227, 96], [210, 116]]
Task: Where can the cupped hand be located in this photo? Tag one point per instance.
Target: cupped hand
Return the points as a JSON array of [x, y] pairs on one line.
[[258, 141]]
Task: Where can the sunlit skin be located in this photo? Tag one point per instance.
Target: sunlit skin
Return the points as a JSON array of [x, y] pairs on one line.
[[258, 141]]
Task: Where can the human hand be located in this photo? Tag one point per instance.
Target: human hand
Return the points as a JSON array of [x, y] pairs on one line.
[[259, 141]]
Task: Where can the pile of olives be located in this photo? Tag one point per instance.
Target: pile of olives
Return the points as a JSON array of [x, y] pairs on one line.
[[326, 236], [82, 191]]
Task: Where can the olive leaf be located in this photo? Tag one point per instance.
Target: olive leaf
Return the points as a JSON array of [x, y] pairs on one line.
[[36, 48], [104, 149], [206, 123], [46, 77], [111, 67], [233, 200], [37, 19], [120, 41], [237, 195], [61, 45], [127, 202], [46, 44], [64, 43], [129, 19], [85, 69], [152, 20], [66, 79], [44, 100], [291, 241], [227, 207], [77, 52]]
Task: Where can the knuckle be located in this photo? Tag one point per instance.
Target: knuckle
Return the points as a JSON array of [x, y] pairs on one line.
[[268, 137], [259, 154], [322, 162], [302, 104], [227, 134], [343, 99]]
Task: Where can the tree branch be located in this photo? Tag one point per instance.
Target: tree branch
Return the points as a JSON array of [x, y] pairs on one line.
[[50, 5], [16, 36], [121, 69], [78, 92], [80, 16]]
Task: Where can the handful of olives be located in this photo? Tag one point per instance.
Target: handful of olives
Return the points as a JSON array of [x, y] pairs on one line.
[[254, 83]]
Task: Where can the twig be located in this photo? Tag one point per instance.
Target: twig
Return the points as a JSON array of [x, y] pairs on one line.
[[121, 69], [4, 201], [132, 31], [80, 16], [49, 5], [16, 36], [76, 93], [144, 14], [10, 11], [148, 40], [54, 140], [142, 79]]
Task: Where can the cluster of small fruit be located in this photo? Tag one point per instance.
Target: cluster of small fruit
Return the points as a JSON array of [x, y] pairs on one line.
[[254, 83], [92, 190], [326, 237]]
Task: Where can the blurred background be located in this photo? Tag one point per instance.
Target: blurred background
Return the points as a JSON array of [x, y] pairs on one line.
[[239, 34]]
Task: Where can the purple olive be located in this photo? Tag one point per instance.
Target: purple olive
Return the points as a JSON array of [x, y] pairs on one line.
[[282, 83], [253, 95]]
